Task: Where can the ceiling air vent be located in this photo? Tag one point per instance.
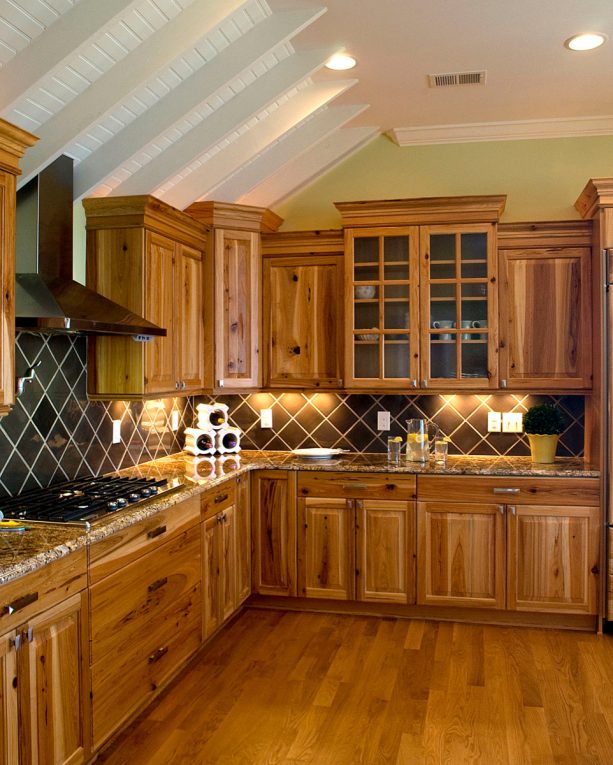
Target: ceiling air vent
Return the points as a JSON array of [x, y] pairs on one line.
[[456, 78]]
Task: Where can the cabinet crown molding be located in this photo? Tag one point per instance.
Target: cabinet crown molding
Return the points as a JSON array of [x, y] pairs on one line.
[[598, 192], [561, 233], [13, 144], [232, 216], [424, 210]]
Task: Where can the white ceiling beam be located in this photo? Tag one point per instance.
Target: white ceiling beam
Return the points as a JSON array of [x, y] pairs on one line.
[[293, 144], [202, 182], [158, 51], [267, 35], [69, 33], [238, 110], [299, 172]]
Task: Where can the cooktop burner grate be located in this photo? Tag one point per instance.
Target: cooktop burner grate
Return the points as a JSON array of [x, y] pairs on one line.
[[83, 501]]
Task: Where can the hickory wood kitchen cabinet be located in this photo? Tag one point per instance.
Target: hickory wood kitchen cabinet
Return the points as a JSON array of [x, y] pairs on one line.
[[226, 552], [302, 309], [420, 292], [356, 537], [145, 611], [13, 144], [44, 704], [520, 544], [148, 257], [232, 288]]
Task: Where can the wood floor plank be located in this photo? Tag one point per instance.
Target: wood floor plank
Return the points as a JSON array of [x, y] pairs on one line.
[[286, 688]]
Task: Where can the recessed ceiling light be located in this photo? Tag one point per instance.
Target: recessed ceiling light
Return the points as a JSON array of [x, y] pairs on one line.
[[586, 41], [341, 61]]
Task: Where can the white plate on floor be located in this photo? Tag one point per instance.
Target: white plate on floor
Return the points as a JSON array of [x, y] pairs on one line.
[[316, 453]]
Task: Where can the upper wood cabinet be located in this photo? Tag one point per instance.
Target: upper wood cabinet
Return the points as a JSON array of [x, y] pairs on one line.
[[302, 309], [420, 293], [148, 257], [545, 306], [232, 289], [13, 144]]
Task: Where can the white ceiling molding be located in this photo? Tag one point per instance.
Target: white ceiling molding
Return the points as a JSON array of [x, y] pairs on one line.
[[565, 127], [291, 145], [299, 172], [203, 181], [182, 99], [154, 53], [235, 113], [61, 41]]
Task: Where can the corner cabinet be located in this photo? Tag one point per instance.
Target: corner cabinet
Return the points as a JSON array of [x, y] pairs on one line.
[[302, 309], [148, 257], [421, 293], [13, 144], [232, 288]]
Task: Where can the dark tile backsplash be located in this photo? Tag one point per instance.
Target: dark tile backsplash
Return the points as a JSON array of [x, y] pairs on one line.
[[54, 433]]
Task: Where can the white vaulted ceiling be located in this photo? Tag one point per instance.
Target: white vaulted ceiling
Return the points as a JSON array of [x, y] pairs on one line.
[[228, 100]]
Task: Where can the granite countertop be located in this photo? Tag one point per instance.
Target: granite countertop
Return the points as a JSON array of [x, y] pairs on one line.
[[22, 552]]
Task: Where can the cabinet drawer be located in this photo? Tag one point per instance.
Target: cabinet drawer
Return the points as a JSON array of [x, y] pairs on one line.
[[218, 499], [507, 490], [122, 605], [131, 674], [129, 544], [357, 485], [41, 589]]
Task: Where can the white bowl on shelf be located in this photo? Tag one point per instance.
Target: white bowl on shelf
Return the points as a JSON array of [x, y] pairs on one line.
[[369, 337], [364, 291]]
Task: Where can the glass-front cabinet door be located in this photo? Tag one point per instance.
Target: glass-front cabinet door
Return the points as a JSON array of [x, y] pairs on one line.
[[382, 288], [458, 311]]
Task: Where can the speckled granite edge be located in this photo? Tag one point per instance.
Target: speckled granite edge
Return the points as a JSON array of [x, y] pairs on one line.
[[22, 553]]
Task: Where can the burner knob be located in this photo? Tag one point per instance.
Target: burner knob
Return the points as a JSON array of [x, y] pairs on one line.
[[153, 489], [121, 502], [112, 505], [134, 497], [146, 492]]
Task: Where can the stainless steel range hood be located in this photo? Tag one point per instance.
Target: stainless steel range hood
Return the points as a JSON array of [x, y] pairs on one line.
[[46, 296]]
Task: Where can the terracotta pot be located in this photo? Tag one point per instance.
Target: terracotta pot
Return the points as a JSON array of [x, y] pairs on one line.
[[543, 448]]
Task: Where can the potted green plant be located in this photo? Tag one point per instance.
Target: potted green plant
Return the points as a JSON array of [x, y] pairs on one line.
[[543, 424]]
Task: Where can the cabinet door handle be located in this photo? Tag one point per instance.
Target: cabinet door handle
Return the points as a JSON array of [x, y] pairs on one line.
[[15, 642], [350, 486], [501, 509], [413, 383], [29, 635], [157, 584], [503, 383], [220, 498], [499, 490], [424, 383], [157, 654], [19, 604], [512, 509], [156, 532]]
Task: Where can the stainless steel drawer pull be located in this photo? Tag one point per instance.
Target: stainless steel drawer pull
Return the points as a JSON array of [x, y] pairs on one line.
[[157, 654], [19, 604], [506, 491], [157, 584], [220, 498], [355, 486], [156, 532]]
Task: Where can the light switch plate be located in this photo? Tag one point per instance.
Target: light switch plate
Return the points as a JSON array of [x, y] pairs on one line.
[[174, 420], [512, 422], [494, 422], [383, 421], [116, 439], [266, 418]]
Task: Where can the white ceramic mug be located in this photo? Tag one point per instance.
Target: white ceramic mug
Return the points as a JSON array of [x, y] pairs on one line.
[[443, 325], [466, 324]]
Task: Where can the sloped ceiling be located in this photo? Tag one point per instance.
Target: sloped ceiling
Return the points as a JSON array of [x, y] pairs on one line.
[[228, 100]]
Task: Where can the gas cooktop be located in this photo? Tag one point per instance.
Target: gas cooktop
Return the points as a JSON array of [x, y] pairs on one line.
[[84, 501]]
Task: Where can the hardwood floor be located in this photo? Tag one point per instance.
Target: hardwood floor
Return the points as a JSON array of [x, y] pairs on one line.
[[283, 688]]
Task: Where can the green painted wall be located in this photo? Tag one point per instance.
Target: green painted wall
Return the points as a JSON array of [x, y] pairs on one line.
[[541, 178], [78, 242]]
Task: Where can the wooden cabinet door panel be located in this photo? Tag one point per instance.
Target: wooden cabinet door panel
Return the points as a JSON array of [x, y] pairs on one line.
[[190, 327], [159, 308], [211, 576], [461, 554], [227, 531], [243, 539], [303, 313], [545, 317], [326, 548], [9, 725], [57, 699], [385, 551], [553, 558], [273, 525], [7, 284], [237, 306]]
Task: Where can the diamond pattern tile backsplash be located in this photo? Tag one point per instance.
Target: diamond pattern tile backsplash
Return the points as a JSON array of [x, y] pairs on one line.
[[54, 433]]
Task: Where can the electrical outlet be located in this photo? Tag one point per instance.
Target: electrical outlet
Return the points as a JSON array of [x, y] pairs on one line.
[[494, 422], [266, 418], [116, 439], [512, 422], [383, 421], [174, 420]]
